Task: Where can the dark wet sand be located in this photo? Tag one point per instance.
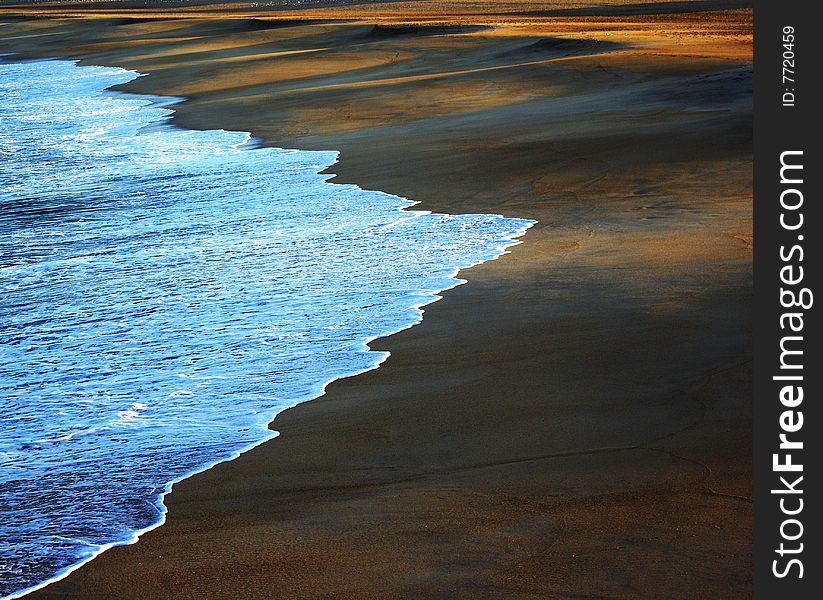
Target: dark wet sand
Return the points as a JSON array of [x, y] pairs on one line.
[[573, 423]]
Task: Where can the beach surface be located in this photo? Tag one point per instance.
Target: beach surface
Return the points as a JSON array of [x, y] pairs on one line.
[[573, 423]]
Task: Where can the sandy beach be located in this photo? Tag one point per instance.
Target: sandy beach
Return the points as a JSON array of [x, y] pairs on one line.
[[575, 422]]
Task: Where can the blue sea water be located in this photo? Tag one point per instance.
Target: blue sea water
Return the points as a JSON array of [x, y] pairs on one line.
[[165, 292]]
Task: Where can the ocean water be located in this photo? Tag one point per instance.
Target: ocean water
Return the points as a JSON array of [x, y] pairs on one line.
[[165, 292]]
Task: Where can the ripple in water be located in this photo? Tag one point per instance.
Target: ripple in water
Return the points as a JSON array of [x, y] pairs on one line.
[[164, 293]]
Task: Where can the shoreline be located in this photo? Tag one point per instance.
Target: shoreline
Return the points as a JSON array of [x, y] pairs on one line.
[[320, 492], [168, 102]]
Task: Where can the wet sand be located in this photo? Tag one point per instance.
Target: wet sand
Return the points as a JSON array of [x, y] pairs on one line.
[[572, 423]]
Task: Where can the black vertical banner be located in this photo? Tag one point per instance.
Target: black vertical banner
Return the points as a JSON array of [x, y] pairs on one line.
[[788, 437]]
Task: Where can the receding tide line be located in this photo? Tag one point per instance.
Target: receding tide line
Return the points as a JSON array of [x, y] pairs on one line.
[[380, 358]]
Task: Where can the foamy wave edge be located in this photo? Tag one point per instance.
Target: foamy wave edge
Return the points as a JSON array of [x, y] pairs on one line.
[[167, 102]]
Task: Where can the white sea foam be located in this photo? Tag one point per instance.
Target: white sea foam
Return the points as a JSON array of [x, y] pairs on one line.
[[165, 293]]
